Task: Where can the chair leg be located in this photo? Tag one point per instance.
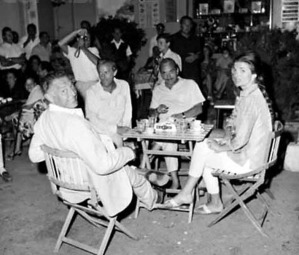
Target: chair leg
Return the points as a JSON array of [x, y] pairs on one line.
[[269, 193], [137, 209], [252, 218], [123, 229], [64, 229], [263, 200], [191, 206], [107, 236], [225, 211]]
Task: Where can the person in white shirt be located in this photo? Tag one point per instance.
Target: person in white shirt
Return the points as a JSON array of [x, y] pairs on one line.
[[83, 59], [160, 28], [44, 48], [176, 98], [30, 40], [108, 102], [163, 41], [11, 55], [121, 54], [63, 127]]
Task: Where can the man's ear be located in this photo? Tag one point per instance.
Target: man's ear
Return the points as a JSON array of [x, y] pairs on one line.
[[49, 97], [114, 73]]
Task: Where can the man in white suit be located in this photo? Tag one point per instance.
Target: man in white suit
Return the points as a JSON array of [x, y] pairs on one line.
[[64, 127]]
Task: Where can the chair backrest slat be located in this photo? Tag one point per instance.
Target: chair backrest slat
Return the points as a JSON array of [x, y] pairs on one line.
[[66, 169]]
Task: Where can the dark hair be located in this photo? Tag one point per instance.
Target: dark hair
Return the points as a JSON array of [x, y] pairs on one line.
[[32, 77], [85, 22], [161, 25], [255, 65], [165, 36], [5, 29], [106, 62], [225, 48], [44, 65], [13, 71], [210, 49], [31, 25], [253, 60], [41, 34], [33, 57], [117, 27], [186, 18], [168, 61]]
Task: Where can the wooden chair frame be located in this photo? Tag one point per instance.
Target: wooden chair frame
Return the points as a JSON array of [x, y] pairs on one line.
[[66, 170], [252, 182]]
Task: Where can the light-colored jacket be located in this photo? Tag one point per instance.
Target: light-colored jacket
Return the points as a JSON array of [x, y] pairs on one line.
[[66, 129]]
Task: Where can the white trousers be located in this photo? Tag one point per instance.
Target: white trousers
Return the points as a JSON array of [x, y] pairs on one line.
[[204, 160], [172, 163], [142, 188]]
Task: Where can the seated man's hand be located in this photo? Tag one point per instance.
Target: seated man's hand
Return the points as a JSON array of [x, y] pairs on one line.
[[122, 129], [217, 133], [132, 146], [162, 108], [217, 145]]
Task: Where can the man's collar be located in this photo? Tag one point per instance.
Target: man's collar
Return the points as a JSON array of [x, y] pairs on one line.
[[120, 41], [185, 35], [114, 90], [174, 85], [73, 111], [168, 50]]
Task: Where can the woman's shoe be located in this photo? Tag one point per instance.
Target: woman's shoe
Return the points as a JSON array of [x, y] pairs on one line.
[[204, 210]]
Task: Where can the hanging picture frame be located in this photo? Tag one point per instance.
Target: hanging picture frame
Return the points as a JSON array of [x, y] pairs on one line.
[[256, 6], [229, 6], [203, 9]]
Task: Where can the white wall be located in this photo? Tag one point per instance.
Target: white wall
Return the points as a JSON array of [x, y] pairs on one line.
[[67, 17], [46, 17], [276, 17], [11, 15]]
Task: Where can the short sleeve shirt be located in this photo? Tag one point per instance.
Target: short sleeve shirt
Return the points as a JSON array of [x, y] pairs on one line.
[[181, 97]]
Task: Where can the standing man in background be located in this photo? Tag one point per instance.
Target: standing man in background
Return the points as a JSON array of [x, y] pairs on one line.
[[121, 54], [160, 28], [189, 47], [30, 40], [44, 48]]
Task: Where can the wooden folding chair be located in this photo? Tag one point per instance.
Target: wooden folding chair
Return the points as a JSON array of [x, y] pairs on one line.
[[66, 171], [251, 184]]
